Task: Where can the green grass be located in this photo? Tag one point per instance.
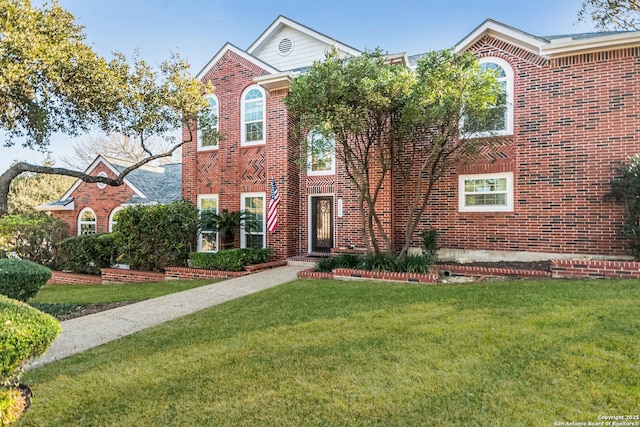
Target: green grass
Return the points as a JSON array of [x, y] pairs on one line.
[[326, 353], [62, 299]]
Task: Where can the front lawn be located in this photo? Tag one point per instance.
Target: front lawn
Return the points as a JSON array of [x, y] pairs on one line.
[[62, 299], [328, 353]]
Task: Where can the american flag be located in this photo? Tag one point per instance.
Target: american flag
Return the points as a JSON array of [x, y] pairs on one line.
[[272, 213]]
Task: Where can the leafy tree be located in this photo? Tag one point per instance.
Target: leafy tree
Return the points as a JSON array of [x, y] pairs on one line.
[[228, 224], [385, 117], [611, 14], [35, 238], [50, 81]]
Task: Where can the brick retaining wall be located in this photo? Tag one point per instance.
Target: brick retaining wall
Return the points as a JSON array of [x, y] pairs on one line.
[[121, 275], [62, 278], [570, 268]]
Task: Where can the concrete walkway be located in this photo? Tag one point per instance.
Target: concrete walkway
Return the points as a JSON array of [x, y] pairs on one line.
[[83, 333]]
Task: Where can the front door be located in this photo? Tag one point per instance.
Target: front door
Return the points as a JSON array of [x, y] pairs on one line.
[[321, 224]]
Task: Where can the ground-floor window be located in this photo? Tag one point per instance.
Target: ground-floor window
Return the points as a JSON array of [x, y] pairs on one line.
[[113, 218], [486, 192], [254, 204], [87, 222], [208, 239]]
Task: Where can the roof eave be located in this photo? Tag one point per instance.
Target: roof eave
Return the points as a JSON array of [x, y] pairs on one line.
[[593, 44], [503, 32], [228, 46], [273, 82]]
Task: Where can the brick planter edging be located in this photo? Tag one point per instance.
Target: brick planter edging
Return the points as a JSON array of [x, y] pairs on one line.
[[185, 273], [64, 278], [121, 275], [347, 273], [492, 271], [596, 269]]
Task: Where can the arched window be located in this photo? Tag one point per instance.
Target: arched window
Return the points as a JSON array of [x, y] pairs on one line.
[[113, 217], [208, 140], [102, 185], [86, 222], [252, 116], [321, 154], [504, 73]]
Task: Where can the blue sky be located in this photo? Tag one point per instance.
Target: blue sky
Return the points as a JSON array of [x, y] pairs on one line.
[[197, 29]]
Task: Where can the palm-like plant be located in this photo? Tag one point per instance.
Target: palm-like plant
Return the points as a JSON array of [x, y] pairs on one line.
[[228, 224]]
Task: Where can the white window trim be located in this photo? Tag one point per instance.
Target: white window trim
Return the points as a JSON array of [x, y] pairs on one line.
[[113, 214], [509, 88], [243, 128], [81, 223], [217, 113], [102, 185], [462, 207], [311, 172], [200, 198], [243, 234]]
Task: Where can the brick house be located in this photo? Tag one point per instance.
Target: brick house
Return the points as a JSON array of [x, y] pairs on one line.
[[91, 208], [572, 118]]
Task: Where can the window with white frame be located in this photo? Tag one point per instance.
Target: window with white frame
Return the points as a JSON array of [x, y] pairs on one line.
[[321, 154], [87, 222], [113, 217], [486, 192], [207, 140], [102, 185], [254, 204], [253, 113], [504, 75], [208, 239]]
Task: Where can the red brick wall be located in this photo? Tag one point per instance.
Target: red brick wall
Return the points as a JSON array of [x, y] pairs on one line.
[[576, 119], [101, 200]]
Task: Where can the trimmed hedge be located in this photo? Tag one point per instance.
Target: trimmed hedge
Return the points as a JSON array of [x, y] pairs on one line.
[[89, 253], [25, 332], [230, 259], [20, 279]]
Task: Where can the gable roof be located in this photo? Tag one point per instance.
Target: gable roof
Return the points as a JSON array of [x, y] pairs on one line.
[[551, 46], [150, 184], [282, 21], [245, 55]]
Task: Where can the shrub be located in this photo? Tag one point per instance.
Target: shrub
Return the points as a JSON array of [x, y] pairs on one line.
[[153, 237], [430, 245], [626, 188], [346, 260], [20, 279], [89, 253], [230, 259], [416, 263], [24, 333], [34, 238]]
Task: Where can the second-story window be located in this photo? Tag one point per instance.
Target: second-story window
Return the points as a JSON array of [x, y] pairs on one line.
[[321, 154], [207, 138], [504, 74], [253, 112]]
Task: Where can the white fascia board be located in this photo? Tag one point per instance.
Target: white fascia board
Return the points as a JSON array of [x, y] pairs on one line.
[[46, 207], [502, 32], [239, 52], [282, 21], [92, 166], [567, 47], [276, 81]]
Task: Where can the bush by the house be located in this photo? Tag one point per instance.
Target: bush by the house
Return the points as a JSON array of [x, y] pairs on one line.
[[413, 263], [430, 245], [230, 259], [625, 188], [25, 333], [89, 253], [158, 236], [35, 238], [20, 279]]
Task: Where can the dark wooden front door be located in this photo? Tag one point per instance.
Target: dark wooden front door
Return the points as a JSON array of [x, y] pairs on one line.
[[321, 224]]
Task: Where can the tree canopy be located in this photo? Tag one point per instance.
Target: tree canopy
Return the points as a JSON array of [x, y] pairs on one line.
[[611, 14], [53, 82], [382, 117]]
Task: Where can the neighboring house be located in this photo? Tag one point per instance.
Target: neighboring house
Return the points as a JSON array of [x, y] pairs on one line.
[[573, 112], [91, 208]]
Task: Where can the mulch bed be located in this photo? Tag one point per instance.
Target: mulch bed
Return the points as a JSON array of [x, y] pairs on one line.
[[93, 308]]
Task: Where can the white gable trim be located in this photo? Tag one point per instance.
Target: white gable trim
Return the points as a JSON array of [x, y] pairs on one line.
[[567, 47], [239, 52], [282, 21], [92, 166], [502, 32]]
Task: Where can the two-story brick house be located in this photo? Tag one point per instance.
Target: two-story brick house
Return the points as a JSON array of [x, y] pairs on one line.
[[572, 118]]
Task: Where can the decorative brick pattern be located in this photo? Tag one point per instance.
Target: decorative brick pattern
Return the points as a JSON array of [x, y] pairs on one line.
[[467, 270], [396, 277]]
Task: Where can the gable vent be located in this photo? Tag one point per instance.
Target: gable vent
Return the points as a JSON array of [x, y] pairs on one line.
[[285, 46]]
